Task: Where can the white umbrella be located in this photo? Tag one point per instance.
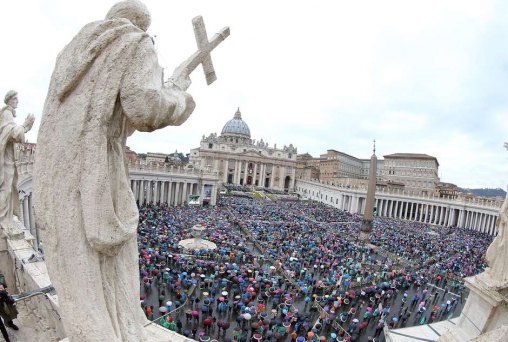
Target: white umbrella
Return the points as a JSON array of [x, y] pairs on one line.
[[224, 293], [247, 316]]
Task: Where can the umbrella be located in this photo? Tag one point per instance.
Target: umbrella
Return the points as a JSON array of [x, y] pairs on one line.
[[169, 303], [247, 316], [163, 309], [357, 321], [224, 293], [221, 299]]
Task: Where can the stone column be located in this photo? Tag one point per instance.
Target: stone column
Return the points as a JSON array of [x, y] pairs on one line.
[[33, 229], [213, 200], [21, 218], [459, 219], [238, 171], [170, 193], [226, 171], [262, 175], [177, 193], [202, 193], [26, 215], [163, 192], [272, 177], [254, 176], [186, 193]]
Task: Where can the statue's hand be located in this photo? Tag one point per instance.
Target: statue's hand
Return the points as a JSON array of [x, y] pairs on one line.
[[29, 121], [180, 79]]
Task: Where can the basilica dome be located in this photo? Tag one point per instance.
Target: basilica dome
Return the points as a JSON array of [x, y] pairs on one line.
[[236, 126]]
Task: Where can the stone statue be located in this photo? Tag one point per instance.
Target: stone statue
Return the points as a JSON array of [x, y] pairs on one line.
[[10, 134], [106, 83], [496, 274]]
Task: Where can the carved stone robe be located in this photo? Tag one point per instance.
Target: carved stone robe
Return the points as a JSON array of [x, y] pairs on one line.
[[106, 84], [10, 133]]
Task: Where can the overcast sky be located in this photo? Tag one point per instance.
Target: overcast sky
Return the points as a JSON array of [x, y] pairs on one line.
[[419, 77]]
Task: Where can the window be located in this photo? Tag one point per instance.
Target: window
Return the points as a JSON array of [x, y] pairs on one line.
[[210, 145]]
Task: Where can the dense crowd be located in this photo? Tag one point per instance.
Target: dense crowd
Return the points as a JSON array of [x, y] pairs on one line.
[[294, 270]]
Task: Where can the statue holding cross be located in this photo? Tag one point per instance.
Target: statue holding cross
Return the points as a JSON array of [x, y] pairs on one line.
[[106, 84], [201, 56]]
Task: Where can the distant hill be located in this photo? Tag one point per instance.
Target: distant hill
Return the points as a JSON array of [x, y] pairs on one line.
[[485, 192]]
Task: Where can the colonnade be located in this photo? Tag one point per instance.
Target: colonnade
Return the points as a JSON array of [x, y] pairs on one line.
[[26, 213], [172, 192], [431, 210]]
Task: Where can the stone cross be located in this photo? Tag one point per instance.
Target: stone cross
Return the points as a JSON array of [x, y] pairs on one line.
[[201, 56]]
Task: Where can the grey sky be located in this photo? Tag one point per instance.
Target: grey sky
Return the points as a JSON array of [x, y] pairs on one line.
[[423, 77]]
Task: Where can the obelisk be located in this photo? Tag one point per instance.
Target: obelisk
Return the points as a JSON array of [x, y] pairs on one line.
[[368, 216]]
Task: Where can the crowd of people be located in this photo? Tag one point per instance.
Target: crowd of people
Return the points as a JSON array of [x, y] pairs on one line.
[[293, 270]]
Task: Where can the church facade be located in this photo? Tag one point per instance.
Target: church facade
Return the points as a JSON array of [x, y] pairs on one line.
[[241, 160]]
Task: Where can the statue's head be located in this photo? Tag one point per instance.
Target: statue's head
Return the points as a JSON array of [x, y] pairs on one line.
[[11, 98], [133, 10]]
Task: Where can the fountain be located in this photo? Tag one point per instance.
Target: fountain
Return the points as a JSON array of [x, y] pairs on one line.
[[197, 242]]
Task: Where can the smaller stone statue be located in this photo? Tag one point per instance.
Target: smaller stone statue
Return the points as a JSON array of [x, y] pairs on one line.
[[10, 134], [496, 274]]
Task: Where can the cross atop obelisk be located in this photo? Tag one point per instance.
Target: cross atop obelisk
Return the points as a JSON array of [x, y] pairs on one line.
[[201, 56]]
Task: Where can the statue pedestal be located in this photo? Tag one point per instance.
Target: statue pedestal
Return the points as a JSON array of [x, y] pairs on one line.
[[486, 309], [364, 237]]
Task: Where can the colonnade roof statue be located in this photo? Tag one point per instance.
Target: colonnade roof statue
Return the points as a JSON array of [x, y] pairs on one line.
[[106, 83], [10, 134], [497, 253]]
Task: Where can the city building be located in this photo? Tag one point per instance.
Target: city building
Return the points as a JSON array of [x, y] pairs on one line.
[[418, 172], [335, 164], [241, 160], [307, 167], [412, 172]]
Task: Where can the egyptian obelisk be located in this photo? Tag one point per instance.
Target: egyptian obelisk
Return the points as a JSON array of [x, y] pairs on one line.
[[368, 216]]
